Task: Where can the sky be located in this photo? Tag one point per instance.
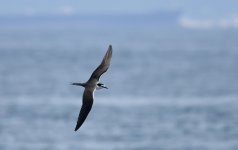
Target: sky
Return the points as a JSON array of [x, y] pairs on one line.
[[196, 9]]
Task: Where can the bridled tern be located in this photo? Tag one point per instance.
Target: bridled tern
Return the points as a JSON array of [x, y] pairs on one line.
[[91, 85]]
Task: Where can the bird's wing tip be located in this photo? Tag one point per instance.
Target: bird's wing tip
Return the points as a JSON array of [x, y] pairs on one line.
[[75, 129]]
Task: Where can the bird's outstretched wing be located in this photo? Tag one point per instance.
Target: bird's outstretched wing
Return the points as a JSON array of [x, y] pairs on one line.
[[85, 109], [103, 66]]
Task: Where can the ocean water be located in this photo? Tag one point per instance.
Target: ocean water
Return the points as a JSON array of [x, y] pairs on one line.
[[168, 89]]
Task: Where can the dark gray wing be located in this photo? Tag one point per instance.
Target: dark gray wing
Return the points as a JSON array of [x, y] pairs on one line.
[[103, 66], [85, 109]]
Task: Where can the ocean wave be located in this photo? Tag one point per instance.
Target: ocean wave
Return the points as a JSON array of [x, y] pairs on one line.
[[224, 23]]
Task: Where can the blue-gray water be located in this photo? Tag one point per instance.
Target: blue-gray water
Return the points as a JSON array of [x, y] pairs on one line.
[[168, 89]]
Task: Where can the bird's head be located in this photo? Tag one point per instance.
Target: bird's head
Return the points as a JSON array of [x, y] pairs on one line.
[[100, 86]]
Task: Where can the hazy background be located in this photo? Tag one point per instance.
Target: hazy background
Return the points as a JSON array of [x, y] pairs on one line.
[[172, 81]]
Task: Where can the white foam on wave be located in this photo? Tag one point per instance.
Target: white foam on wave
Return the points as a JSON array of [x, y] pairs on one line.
[[224, 23], [121, 101]]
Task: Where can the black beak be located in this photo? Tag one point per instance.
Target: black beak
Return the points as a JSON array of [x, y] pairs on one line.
[[104, 87]]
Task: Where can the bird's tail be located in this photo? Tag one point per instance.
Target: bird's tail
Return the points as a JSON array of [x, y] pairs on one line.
[[78, 84]]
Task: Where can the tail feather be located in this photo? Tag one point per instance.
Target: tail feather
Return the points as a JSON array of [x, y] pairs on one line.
[[78, 84]]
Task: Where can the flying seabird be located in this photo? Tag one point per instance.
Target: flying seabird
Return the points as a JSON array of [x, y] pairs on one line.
[[91, 85]]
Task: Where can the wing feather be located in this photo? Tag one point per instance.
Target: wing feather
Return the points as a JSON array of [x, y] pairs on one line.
[[103, 66], [85, 109]]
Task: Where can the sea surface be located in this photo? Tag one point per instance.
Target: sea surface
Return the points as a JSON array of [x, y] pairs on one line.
[[169, 88]]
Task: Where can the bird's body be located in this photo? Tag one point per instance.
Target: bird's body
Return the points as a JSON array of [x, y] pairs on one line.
[[91, 85]]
